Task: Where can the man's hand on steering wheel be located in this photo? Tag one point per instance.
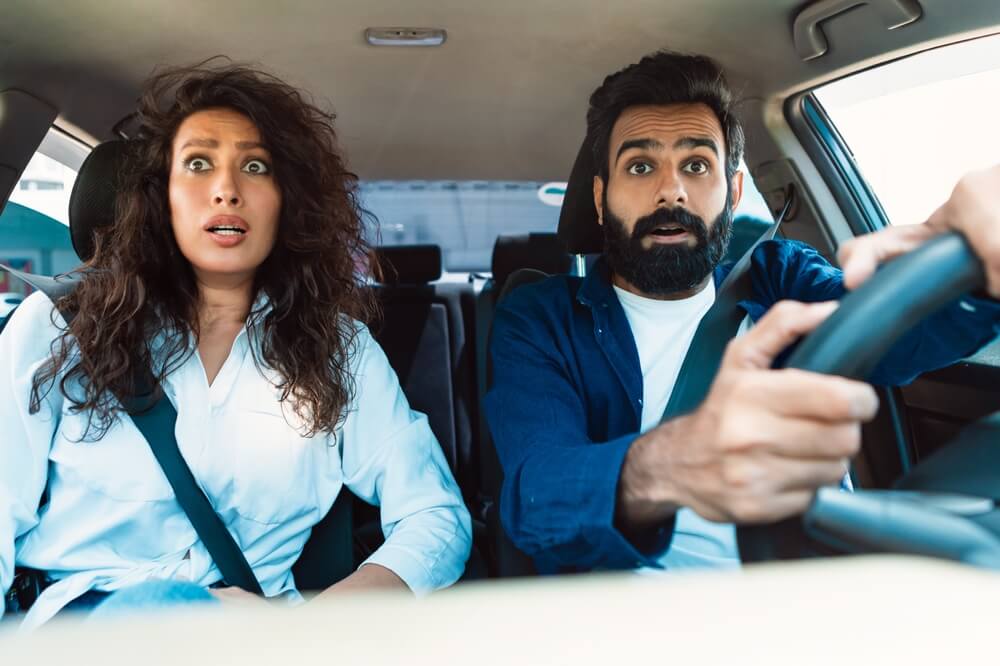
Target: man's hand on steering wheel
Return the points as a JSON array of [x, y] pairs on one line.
[[972, 210]]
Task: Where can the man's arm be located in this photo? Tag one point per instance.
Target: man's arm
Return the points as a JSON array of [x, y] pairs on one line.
[[761, 442], [754, 451], [559, 491]]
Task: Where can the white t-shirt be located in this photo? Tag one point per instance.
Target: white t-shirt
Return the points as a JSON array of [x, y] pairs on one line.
[[663, 331]]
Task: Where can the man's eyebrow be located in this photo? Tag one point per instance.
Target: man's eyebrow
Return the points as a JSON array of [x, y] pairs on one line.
[[212, 143], [697, 142], [644, 144]]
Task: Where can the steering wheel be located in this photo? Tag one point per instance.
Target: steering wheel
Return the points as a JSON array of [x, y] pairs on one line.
[[944, 506]]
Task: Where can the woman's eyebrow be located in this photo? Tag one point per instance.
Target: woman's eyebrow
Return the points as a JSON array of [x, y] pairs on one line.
[[212, 143]]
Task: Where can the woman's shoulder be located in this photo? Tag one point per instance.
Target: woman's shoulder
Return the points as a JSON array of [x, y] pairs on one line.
[[36, 316], [31, 329]]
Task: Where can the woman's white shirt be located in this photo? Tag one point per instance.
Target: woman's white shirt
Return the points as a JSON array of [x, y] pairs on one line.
[[111, 519]]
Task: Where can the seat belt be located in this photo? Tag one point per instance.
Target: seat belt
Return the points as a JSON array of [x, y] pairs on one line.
[[719, 325], [155, 418]]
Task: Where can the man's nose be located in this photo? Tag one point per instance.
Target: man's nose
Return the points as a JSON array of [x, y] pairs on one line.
[[671, 192]]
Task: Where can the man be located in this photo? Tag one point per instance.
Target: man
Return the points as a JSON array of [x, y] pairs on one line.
[[583, 368]]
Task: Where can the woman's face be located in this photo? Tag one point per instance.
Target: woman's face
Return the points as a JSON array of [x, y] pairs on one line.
[[224, 200]]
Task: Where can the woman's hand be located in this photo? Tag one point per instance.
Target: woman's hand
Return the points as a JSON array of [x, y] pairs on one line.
[[236, 596], [368, 577], [972, 210]]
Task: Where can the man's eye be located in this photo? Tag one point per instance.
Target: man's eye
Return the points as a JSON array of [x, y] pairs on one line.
[[697, 167], [639, 169], [257, 167], [197, 164]]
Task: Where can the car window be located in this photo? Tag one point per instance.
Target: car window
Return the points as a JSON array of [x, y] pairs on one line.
[[465, 217], [34, 224], [916, 125]]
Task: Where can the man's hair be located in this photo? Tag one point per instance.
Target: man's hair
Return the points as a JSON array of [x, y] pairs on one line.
[[661, 78]]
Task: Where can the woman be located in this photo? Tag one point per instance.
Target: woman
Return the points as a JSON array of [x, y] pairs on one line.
[[230, 274]]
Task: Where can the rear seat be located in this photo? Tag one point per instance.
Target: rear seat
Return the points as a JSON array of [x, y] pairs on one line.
[[426, 332], [422, 335], [545, 253]]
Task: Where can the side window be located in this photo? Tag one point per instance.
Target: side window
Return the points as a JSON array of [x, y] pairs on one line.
[[916, 125], [34, 224]]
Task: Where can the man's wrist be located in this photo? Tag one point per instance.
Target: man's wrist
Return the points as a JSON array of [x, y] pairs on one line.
[[647, 494]]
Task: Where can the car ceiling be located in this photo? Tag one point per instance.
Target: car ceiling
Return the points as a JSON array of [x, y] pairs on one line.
[[503, 98]]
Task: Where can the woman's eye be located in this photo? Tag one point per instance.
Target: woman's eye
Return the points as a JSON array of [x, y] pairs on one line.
[[639, 169], [697, 167], [197, 164], [256, 167]]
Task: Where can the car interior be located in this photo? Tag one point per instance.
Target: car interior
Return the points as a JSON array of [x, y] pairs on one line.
[[443, 91]]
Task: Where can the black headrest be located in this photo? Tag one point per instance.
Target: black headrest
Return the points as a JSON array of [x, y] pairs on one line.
[[540, 251], [578, 227], [409, 264], [92, 201]]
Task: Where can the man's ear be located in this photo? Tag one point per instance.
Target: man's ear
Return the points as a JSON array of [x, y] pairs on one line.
[[599, 198], [737, 189]]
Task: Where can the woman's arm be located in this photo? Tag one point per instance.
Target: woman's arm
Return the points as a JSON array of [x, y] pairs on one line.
[[392, 459], [26, 437]]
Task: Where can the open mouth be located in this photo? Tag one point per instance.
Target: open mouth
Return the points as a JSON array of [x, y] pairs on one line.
[[224, 230], [668, 230]]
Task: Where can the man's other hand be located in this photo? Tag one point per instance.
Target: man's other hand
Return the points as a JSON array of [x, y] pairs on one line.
[[972, 210], [762, 441]]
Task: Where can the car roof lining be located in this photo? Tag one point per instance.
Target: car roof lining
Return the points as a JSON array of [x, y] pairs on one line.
[[504, 98]]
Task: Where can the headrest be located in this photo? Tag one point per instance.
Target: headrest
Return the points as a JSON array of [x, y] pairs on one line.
[[409, 264], [578, 227], [540, 251], [92, 201]]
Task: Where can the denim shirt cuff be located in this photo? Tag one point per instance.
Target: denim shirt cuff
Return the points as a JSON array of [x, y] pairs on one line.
[[617, 550]]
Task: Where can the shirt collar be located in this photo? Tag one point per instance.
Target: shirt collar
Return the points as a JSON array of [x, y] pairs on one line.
[[596, 289]]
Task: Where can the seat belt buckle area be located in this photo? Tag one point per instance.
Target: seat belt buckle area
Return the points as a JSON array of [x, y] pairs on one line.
[[28, 585]]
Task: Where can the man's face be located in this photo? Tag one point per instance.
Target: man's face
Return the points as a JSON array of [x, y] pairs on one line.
[[667, 206]]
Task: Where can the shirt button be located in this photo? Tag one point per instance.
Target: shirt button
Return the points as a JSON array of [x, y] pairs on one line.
[[600, 330]]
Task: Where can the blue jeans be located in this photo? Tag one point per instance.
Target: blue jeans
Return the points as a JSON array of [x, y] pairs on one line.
[[148, 596]]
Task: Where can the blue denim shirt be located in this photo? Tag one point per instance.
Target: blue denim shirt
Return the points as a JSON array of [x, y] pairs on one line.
[[566, 399]]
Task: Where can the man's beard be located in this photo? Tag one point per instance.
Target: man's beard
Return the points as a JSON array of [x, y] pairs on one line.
[[666, 269]]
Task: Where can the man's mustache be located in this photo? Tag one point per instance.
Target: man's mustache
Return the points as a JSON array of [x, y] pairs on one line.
[[688, 221]]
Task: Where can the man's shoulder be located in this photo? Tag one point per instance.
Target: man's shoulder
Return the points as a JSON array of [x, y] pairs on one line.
[[784, 268], [550, 293], [787, 251]]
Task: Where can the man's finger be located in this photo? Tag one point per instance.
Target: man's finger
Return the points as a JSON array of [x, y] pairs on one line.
[[800, 394], [783, 324], [808, 440], [790, 475], [861, 256]]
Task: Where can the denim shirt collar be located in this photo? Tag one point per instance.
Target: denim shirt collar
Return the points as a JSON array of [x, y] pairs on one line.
[[596, 290]]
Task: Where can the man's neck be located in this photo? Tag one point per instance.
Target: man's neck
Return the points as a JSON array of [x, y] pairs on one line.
[[622, 283]]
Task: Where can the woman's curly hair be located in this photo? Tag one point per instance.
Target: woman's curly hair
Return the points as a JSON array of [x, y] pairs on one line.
[[139, 287]]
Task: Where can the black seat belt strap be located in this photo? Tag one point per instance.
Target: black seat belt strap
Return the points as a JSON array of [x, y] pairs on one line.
[[53, 287], [156, 419], [157, 423], [719, 325]]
